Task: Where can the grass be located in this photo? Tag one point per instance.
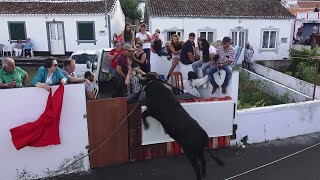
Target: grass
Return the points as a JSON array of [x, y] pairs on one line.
[[250, 95]]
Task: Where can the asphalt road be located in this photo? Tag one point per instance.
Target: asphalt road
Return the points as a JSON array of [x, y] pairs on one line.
[[303, 166]]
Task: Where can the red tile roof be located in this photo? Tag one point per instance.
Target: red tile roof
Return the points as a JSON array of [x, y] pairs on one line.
[[218, 8], [308, 4], [32, 8]]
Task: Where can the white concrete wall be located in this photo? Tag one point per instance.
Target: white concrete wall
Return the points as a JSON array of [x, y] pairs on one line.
[[22, 105], [36, 29], [278, 122], [117, 19], [277, 90], [288, 81], [223, 28]]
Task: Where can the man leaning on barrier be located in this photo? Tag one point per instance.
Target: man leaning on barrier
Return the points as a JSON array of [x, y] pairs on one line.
[[12, 76]]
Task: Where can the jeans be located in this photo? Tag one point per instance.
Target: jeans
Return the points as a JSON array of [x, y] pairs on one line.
[[147, 51], [162, 52], [120, 88], [213, 69], [27, 52], [204, 67]]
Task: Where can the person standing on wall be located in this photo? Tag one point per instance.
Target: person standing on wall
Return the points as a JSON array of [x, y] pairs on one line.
[[145, 37], [127, 35]]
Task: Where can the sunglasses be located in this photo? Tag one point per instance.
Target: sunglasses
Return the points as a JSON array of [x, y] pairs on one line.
[[137, 46], [55, 65]]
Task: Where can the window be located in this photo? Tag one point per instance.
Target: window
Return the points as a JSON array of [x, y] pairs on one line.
[[171, 33], [17, 30], [239, 38], [86, 32], [269, 39], [208, 35]]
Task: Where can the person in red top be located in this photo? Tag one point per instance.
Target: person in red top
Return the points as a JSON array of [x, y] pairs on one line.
[[114, 53]]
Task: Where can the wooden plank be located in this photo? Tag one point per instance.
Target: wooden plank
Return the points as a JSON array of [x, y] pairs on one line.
[[104, 116]]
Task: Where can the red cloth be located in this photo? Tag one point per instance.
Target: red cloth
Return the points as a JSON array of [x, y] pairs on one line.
[[45, 130]]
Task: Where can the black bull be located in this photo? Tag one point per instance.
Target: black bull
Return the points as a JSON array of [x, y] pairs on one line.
[[164, 107]]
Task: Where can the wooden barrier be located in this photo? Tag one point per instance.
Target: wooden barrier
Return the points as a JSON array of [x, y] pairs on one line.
[[104, 116]]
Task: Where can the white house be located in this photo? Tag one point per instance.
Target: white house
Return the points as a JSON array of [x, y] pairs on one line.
[[59, 27], [267, 25]]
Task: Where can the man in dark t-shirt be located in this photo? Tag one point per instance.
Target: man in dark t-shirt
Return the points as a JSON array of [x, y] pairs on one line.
[[121, 71], [187, 50]]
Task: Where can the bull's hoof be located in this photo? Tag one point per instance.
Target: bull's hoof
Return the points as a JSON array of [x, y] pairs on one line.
[[146, 125]]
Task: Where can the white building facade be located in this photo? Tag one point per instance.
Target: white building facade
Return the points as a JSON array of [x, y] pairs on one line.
[[270, 33], [61, 27]]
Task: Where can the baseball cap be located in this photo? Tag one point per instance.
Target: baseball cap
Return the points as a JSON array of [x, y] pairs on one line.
[[226, 40], [127, 47]]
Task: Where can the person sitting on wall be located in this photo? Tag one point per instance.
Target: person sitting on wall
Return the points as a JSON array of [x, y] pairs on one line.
[[315, 29], [120, 89], [12, 76], [156, 45], [18, 47], [175, 47], [49, 74], [89, 85], [225, 57], [187, 50], [206, 53], [127, 35], [140, 57], [28, 47], [68, 68]]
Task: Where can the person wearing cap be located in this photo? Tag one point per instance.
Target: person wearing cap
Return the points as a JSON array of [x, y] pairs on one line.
[[225, 54], [121, 71]]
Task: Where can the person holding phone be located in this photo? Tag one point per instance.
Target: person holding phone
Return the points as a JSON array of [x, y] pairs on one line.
[[225, 54]]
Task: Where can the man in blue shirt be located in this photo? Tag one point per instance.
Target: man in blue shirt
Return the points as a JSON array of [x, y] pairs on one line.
[[187, 50]]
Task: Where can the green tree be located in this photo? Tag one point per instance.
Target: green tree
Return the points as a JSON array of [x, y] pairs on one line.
[[130, 9]]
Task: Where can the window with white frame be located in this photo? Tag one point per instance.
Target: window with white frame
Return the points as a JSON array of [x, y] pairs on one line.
[[208, 35], [239, 37], [269, 38], [171, 33], [17, 30]]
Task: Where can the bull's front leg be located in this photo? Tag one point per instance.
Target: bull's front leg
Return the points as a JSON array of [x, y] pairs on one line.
[[144, 116]]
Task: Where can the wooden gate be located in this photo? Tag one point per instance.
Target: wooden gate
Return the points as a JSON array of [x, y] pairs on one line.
[[104, 116]]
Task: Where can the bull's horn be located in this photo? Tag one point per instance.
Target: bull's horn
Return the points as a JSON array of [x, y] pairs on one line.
[[142, 78]]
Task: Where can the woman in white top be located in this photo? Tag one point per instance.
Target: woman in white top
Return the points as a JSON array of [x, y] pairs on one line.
[[193, 83], [206, 53], [145, 37]]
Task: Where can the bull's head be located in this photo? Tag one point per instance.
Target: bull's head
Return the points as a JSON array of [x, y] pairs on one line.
[[144, 80]]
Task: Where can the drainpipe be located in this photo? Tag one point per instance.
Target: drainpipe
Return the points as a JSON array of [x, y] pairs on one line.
[[316, 79], [109, 29]]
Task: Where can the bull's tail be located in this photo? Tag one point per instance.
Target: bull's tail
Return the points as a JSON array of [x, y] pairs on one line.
[[218, 160]]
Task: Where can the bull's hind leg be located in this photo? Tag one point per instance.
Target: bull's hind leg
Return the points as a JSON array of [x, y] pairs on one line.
[[193, 160], [144, 116], [203, 164]]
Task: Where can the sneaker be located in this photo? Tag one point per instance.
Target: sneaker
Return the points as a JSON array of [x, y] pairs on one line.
[[214, 90], [224, 90], [205, 85]]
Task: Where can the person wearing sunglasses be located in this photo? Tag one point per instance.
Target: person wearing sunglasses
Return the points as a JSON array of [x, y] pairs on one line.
[[140, 57], [49, 74], [120, 89]]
